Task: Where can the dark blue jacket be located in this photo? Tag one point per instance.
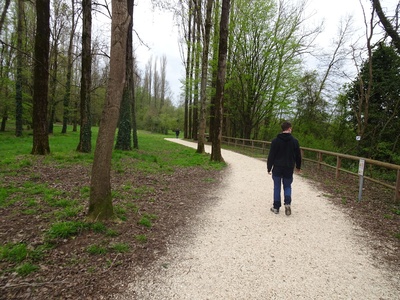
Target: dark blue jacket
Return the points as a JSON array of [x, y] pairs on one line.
[[284, 155]]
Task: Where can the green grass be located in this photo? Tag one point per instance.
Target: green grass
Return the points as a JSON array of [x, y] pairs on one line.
[[26, 268], [26, 192], [141, 238], [145, 221], [14, 252], [66, 229], [120, 248], [96, 250]]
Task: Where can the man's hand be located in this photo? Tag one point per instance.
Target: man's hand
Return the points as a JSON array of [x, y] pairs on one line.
[[298, 171], [269, 173]]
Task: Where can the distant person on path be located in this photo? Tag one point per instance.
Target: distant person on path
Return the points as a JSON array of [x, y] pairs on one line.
[[284, 155], [177, 131]]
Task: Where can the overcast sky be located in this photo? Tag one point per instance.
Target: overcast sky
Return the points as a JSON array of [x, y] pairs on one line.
[[157, 30]]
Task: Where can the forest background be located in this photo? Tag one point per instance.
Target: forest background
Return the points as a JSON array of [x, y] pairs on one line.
[[267, 79], [245, 72]]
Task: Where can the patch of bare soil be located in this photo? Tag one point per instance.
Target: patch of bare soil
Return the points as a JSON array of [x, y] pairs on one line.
[[68, 270]]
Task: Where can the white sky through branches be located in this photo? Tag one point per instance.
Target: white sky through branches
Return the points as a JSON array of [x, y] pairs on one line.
[[157, 30]]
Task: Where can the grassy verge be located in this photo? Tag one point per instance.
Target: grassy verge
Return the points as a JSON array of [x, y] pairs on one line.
[[43, 201]]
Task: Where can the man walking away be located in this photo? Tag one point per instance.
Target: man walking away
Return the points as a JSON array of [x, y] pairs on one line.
[[283, 156]]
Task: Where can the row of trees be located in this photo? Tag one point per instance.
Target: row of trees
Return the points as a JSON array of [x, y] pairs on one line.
[[267, 80], [34, 85], [244, 74], [77, 72]]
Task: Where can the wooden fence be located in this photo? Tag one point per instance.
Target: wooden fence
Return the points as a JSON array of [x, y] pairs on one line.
[[329, 159]]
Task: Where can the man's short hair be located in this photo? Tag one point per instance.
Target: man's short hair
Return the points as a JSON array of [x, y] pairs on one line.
[[286, 125]]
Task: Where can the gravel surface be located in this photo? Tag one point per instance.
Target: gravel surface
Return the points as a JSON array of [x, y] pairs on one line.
[[238, 249]]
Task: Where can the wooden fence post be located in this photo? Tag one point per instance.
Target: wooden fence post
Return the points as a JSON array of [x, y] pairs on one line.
[[338, 166]]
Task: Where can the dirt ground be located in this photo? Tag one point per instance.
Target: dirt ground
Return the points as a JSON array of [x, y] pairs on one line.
[[68, 271]]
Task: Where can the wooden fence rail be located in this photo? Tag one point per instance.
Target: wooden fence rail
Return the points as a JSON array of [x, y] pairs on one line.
[[321, 158]]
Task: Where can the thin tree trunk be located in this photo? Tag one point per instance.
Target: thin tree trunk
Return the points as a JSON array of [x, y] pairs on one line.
[[85, 137], [214, 69], [124, 141], [100, 202], [223, 49], [204, 73], [19, 77], [186, 133], [4, 13], [41, 79], [196, 52], [67, 95]]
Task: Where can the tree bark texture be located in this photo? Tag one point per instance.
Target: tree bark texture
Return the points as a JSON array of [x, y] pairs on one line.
[[85, 137], [124, 141], [204, 73], [100, 203], [219, 106], [41, 79], [19, 77]]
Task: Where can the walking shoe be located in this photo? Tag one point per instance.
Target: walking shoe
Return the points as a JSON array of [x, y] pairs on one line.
[[275, 210], [288, 211]]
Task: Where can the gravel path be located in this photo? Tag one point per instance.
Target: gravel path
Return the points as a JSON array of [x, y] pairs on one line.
[[240, 250]]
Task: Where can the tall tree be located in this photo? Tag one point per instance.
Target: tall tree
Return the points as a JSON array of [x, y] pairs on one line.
[[41, 79], [4, 13], [85, 137], [68, 83], [197, 54], [163, 79], [124, 141], [100, 202], [19, 76], [204, 76], [188, 39], [381, 138], [216, 154]]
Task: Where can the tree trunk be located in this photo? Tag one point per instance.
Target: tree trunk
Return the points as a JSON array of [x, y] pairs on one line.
[[222, 52], [19, 77], [4, 13], [186, 133], [41, 79], [67, 95], [214, 69], [124, 141], [100, 203], [204, 73], [85, 137], [196, 53]]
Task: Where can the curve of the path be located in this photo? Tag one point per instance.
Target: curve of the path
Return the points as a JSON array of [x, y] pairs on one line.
[[240, 250]]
